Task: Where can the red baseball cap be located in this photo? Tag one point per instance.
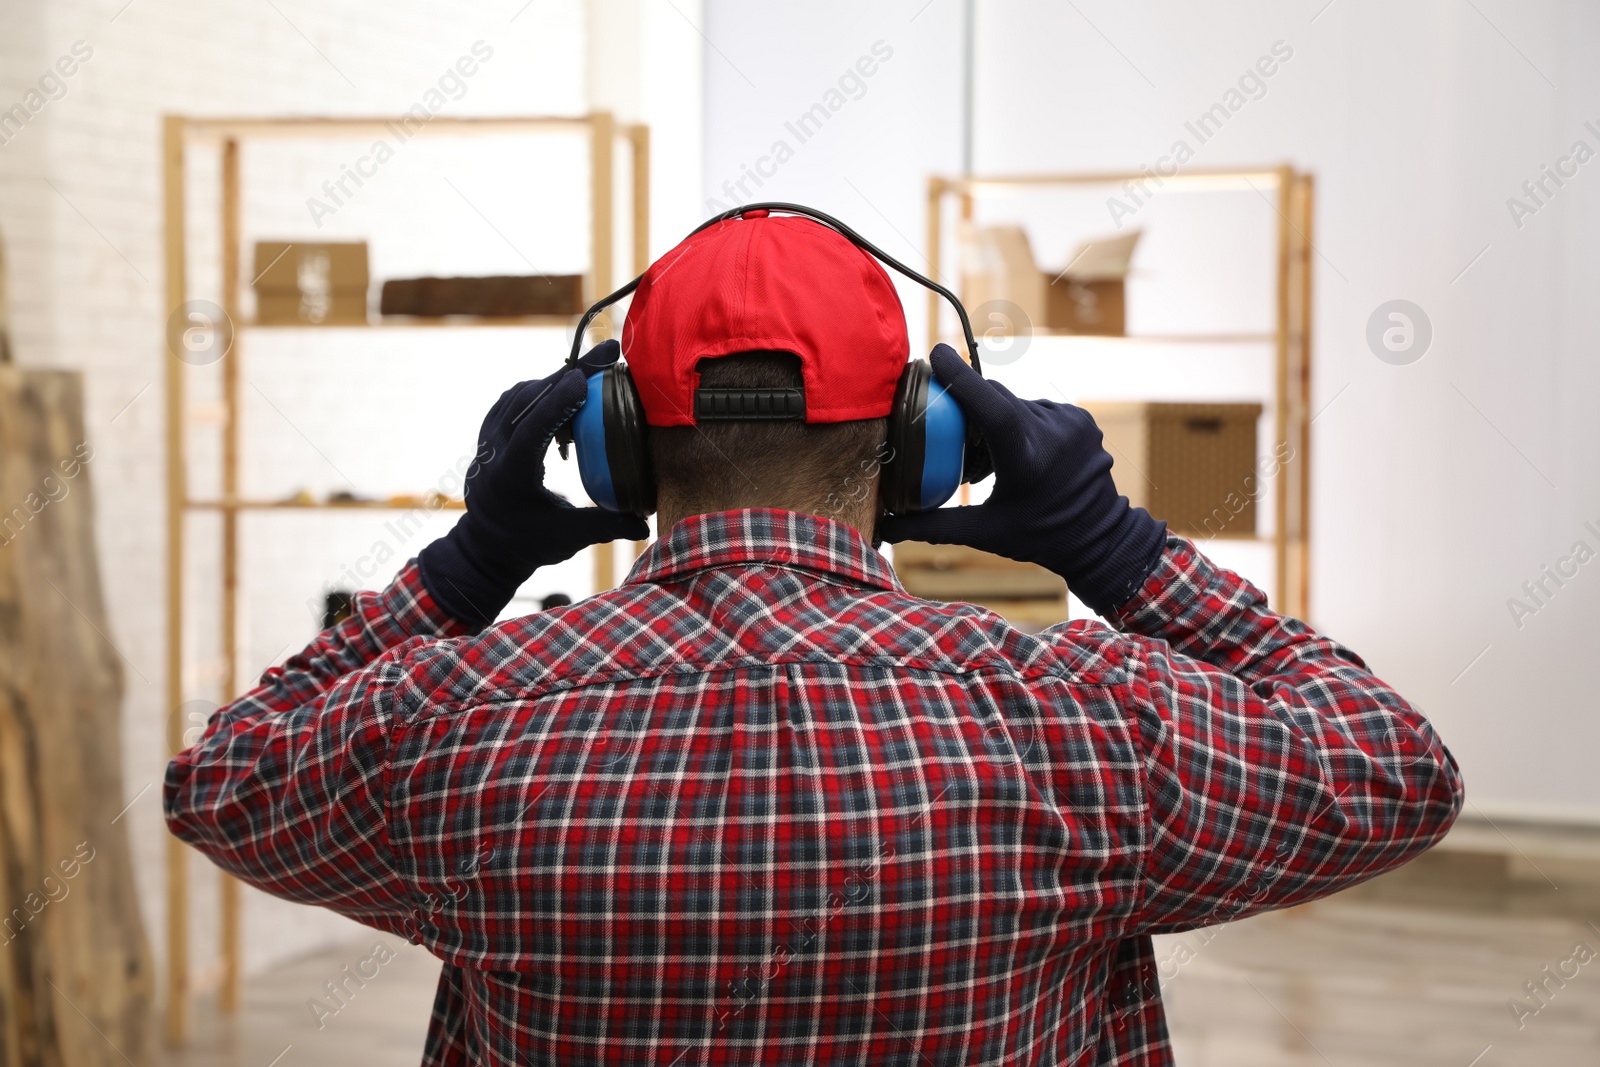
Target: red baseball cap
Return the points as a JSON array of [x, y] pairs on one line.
[[768, 282]]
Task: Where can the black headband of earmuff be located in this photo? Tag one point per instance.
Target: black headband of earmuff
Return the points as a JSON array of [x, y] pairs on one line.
[[816, 216]]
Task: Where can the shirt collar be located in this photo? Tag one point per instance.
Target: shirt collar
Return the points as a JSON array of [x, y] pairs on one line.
[[764, 535]]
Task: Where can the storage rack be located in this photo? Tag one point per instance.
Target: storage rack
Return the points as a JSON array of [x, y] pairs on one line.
[[1290, 338], [179, 136]]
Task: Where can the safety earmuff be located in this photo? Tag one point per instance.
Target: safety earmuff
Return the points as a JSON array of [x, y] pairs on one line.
[[609, 434], [927, 444], [929, 440]]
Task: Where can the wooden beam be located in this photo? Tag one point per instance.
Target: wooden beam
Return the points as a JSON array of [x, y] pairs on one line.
[[936, 188], [602, 204], [378, 126], [176, 1017], [639, 138], [602, 176], [1210, 178], [1302, 555], [1280, 396], [228, 995]]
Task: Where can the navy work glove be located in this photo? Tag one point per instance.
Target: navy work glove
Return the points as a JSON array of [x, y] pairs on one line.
[[513, 525], [1053, 501]]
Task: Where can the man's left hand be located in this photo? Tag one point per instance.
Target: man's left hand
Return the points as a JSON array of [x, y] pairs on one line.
[[513, 524]]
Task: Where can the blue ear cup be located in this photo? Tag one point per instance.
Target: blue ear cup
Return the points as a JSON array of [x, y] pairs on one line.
[[589, 438], [927, 444], [945, 449], [608, 432]]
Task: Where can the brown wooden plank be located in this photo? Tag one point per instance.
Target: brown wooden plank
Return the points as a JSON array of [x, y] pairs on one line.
[[602, 176], [229, 917], [76, 978], [176, 1020]]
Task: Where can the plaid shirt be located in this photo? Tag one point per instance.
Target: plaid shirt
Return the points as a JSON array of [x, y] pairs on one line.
[[758, 804]]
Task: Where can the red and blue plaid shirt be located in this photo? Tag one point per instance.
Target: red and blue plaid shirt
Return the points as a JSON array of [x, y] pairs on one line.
[[758, 804]]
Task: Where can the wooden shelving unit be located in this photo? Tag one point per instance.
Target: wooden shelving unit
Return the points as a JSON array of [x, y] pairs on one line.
[[450, 323], [1290, 340], [313, 505], [182, 135]]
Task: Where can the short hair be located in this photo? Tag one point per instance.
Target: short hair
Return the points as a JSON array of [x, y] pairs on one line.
[[817, 467]]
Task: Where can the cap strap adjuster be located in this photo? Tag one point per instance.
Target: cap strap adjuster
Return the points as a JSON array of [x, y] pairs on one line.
[[711, 404]]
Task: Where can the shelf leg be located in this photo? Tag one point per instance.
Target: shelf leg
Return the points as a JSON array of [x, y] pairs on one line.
[[228, 995], [1280, 400], [175, 1021]]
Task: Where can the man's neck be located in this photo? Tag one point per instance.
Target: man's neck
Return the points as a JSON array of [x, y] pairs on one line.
[[856, 515]]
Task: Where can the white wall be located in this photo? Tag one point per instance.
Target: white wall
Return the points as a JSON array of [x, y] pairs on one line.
[[1440, 487], [379, 412], [767, 65]]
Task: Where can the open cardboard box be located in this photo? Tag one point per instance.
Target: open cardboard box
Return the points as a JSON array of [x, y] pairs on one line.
[[1087, 297]]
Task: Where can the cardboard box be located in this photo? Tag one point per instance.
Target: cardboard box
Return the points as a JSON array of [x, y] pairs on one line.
[[1024, 593], [997, 264], [1096, 308], [489, 297], [311, 283], [1193, 465], [310, 309], [1087, 297]]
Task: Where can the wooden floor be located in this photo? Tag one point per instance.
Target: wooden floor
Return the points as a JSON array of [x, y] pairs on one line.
[[380, 1024], [1417, 969]]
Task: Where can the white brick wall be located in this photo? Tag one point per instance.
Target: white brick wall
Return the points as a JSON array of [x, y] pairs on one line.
[[100, 146], [86, 292]]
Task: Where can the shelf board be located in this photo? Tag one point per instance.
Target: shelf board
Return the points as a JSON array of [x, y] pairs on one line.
[[1238, 538], [362, 126], [315, 505], [450, 322], [1232, 178], [1164, 338]]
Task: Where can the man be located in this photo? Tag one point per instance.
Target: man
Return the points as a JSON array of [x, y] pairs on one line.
[[757, 803]]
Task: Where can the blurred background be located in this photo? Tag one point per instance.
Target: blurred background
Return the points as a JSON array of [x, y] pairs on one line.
[[1320, 263]]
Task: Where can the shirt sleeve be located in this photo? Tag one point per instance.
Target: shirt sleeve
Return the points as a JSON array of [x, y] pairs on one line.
[[285, 788], [1279, 768]]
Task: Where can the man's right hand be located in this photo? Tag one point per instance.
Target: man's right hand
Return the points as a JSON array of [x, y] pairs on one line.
[[1053, 503], [514, 524]]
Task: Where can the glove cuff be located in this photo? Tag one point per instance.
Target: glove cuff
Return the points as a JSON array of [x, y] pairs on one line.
[[1133, 546]]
